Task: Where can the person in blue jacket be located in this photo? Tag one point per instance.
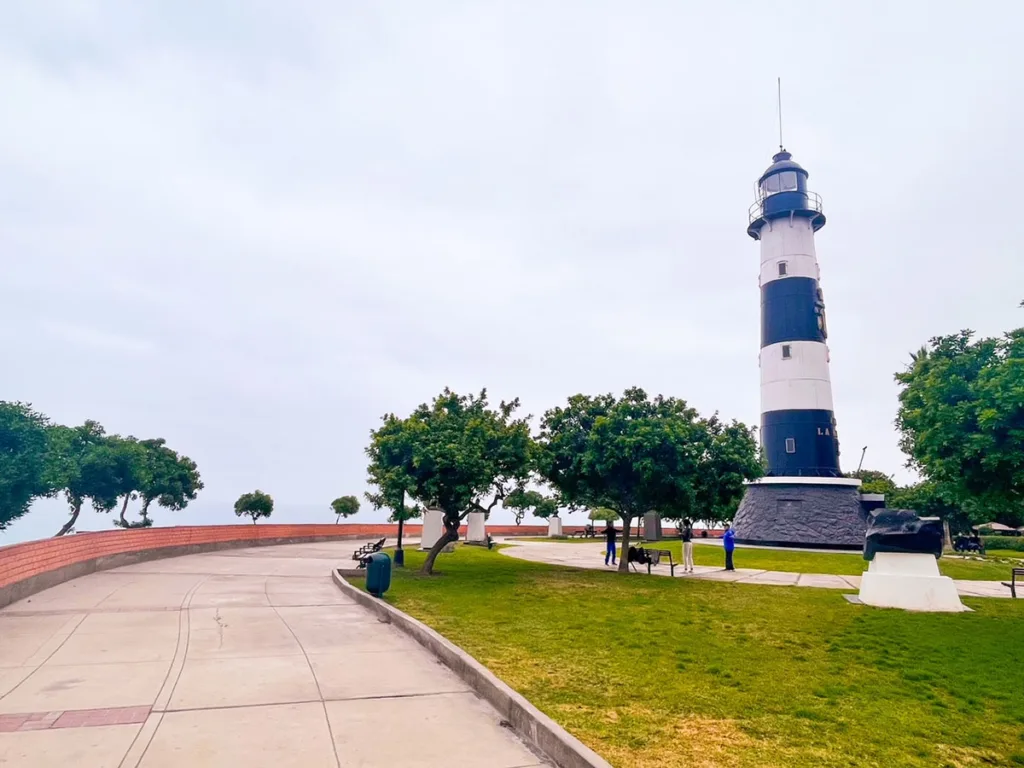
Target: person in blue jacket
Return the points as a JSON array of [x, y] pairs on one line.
[[729, 543]]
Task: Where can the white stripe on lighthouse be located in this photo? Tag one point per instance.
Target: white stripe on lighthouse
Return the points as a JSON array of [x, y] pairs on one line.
[[799, 382]]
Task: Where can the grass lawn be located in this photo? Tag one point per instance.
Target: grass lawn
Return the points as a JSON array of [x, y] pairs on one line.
[[842, 563], [671, 672]]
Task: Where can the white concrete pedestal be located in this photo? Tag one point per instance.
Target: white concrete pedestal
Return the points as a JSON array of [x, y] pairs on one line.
[[433, 527], [554, 526], [476, 525], [908, 581]]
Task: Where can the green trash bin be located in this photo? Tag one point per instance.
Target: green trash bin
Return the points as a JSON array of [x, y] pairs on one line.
[[378, 574]]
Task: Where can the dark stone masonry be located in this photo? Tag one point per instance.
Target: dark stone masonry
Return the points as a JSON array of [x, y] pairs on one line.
[[801, 515]]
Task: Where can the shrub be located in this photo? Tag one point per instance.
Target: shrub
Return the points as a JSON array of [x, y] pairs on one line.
[[1016, 543]]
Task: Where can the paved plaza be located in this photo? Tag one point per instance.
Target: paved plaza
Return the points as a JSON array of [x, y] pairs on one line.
[[250, 658], [591, 555]]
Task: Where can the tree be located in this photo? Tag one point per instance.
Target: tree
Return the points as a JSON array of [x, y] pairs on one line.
[[873, 481], [390, 469], [456, 453], [255, 505], [24, 459], [604, 514], [635, 454], [88, 466], [521, 501], [961, 422], [129, 458], [345, 506], [730, 459], [170, 479]]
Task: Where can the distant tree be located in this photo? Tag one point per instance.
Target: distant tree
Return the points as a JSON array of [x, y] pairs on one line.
[[88, 466], [131, 472], [926, 500], [634, 454], [961, 421], [255, 505], [390, 470], [873, 481], [730, 459], [604, 514], [171, 480], [463, 456], [521, 501], [24, 459], [344, 506]]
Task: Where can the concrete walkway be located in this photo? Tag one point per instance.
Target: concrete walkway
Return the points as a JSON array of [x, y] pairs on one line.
[[591, 555], [243, 658]]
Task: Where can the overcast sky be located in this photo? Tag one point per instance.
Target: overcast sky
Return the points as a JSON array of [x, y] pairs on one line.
[[253, 227]]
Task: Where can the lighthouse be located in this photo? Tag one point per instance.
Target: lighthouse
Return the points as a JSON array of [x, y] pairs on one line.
[[803, 500], [798, 425]]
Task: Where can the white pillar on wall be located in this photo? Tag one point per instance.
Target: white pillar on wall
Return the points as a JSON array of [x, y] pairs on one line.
[[433, 527], [554, 526], [476, 525]]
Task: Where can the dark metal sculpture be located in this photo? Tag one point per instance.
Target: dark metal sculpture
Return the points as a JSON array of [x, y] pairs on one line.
[[900, 530]]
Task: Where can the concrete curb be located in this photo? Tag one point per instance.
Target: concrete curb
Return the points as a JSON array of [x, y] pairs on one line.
[[538, 730]]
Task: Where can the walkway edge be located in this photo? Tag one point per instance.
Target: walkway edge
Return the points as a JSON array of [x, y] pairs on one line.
[[535, 728]]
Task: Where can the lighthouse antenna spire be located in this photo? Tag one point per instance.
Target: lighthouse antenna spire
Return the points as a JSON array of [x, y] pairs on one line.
[[781, 147]]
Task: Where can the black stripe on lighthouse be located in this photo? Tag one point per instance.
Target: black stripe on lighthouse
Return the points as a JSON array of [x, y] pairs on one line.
[[797, 442], [791, 310]]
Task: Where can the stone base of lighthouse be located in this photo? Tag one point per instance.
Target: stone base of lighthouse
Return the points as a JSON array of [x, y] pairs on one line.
[[813, 512]]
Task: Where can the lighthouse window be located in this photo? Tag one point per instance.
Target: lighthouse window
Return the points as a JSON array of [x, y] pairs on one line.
[[770, 185], [787, 351], [787, 181], [782, 269], [790, 445]]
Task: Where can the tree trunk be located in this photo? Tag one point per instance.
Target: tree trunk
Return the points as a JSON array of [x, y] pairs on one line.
[[401, 522], [450, 534], [124, 508], [624, 554], [946, 535], [74, 516]]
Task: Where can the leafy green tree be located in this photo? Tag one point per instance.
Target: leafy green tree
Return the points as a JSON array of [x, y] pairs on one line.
[[390, 469], [873, 481], [171, 480], [24, 459], [961, 421], [521, 501], [633, 454], [88, 466], [603, 514], [344, 506], [255, 505], [730, 459], [463, 456]]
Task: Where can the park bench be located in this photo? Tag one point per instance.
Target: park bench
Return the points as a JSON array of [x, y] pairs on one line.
[[1012, 583], [587, 532], [650, 557], [367, 549]]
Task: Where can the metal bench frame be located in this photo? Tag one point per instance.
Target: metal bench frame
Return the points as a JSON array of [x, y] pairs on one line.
[[1012, 583]]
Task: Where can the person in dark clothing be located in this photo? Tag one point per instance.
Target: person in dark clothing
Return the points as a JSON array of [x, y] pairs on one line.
[[729, 543], [609, 543]]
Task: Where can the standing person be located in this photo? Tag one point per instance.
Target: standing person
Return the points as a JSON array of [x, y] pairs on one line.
[[687, 546], [609, 542], [729, 542]]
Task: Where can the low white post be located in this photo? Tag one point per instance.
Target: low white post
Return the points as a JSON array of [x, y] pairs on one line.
[[433, 527], [476, 526], [554, 526]]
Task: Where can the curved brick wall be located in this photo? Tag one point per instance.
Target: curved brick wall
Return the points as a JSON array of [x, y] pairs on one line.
[[37, 565]]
